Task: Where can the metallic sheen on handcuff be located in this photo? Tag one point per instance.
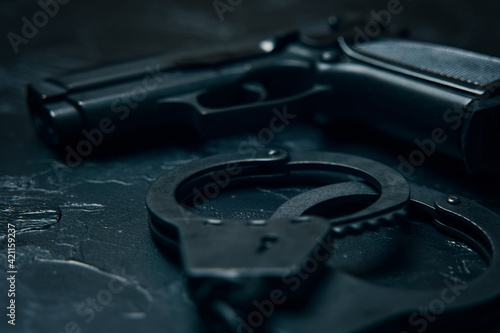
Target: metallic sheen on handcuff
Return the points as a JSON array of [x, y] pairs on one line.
[[230, 263]]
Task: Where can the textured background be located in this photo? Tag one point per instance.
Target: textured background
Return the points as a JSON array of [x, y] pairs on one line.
[[80, 228]]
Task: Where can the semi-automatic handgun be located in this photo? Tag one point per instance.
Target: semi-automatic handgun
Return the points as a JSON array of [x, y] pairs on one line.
[[442, 98]]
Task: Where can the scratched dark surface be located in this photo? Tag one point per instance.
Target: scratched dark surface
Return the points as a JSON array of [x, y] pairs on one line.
[[80, 228]]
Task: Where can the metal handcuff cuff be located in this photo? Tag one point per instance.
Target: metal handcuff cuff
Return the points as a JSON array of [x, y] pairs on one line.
[[175, 223], [230, 263]]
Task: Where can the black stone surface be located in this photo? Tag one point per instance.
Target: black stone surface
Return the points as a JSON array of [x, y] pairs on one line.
[[82, 233]]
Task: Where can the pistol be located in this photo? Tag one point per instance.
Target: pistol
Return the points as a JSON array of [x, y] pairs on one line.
[[441, 98]]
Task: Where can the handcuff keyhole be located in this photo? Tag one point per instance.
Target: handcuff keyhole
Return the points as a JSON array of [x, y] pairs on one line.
[[266, 242]]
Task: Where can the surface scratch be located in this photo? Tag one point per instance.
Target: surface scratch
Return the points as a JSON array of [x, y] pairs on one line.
[[30, 218], [109, 181]]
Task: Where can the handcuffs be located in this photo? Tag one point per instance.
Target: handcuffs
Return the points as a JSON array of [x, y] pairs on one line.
[[232, 264]]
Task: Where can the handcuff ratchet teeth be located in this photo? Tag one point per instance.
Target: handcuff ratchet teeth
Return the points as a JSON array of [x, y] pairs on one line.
[[204, 248], [221, 256], [456, 216], [216, 250]]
